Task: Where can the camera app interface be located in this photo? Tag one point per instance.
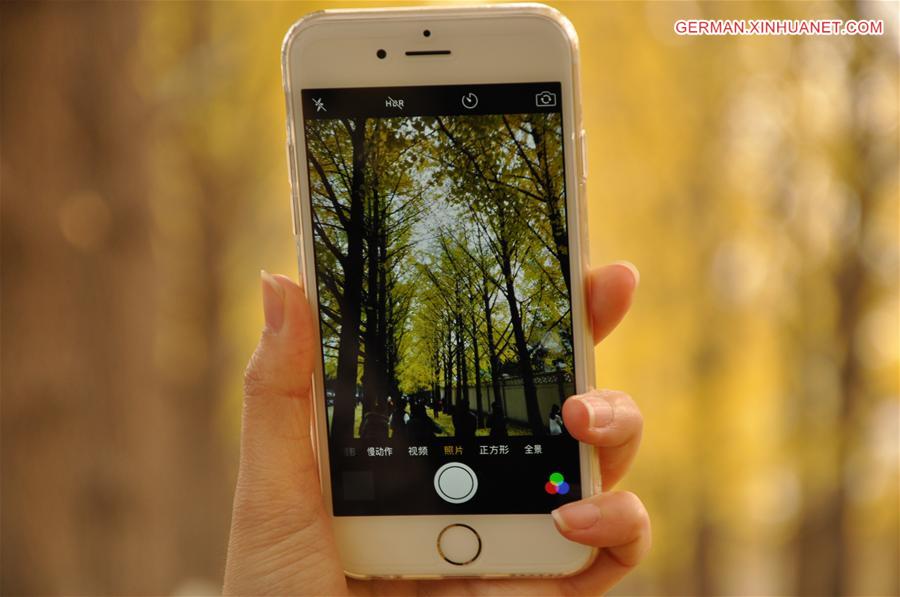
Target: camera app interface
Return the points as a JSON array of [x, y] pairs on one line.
[[444, 294]]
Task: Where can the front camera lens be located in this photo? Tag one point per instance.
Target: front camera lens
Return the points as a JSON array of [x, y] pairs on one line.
[[381, 54]]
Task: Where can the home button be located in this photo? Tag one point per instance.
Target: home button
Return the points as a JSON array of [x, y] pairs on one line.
[[455, 482], [459, 544]]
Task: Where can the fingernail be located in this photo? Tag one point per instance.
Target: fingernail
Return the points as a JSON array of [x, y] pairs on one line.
[[298, 283], [633, 269], [576, 517], [600, 411], [273, 301]]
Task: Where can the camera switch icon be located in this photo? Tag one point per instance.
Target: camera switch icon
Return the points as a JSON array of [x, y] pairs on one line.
[[545, 99]]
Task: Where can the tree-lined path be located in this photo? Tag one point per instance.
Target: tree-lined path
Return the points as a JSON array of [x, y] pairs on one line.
[[441, 261]]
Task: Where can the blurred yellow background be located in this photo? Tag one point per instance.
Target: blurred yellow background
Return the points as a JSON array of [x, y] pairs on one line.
[[753, 180]]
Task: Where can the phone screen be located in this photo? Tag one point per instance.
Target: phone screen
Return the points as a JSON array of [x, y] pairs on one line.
[[444, 294]]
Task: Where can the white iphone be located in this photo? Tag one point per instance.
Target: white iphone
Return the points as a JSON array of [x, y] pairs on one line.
[[437, 166]]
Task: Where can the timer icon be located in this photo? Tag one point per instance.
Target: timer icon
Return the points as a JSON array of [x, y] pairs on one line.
[[469, 101]]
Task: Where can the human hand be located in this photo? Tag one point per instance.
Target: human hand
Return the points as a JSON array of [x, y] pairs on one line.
[[281, 536]]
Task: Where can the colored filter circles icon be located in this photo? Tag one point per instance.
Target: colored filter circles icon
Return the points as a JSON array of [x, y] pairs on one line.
[[557, 485]]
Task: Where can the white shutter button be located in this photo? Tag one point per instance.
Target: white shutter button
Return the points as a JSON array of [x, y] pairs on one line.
[[455, 482]]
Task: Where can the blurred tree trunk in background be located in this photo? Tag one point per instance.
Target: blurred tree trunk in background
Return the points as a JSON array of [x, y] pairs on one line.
[[825, 540], [201, 488], [107, 474]]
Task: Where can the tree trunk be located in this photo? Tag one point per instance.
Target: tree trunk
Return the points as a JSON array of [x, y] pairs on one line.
[[476, 359], [555, 215], [463, 394], [348, 345], [531, 402], [448, 372], [492, 346], [824, 562], [113, 462], [373, 366]]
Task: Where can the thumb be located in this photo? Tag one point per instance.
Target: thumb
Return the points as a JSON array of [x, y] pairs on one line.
[[281, 537]]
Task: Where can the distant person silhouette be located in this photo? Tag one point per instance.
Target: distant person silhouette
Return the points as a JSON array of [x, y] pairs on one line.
[[497, 422], [399, 419], [556, 422], [464, 420], [374, 426], [421, 429]]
